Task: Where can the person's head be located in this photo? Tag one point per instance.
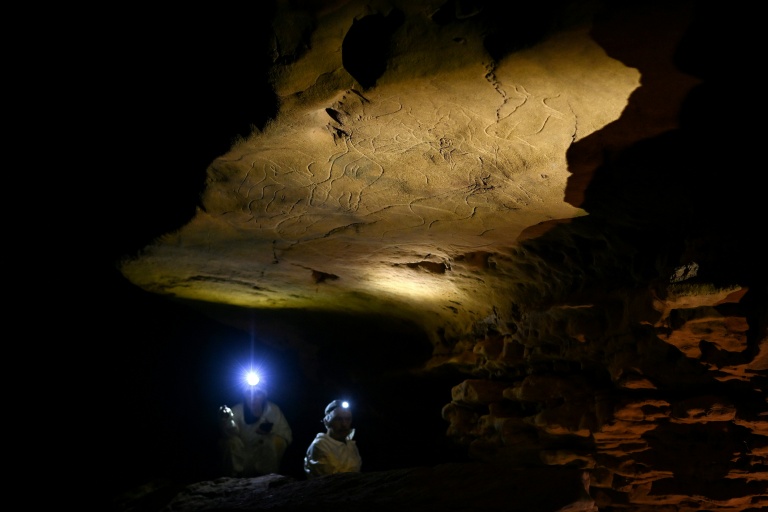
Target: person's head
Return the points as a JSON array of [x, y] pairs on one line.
[[338, 419], [254, 402], [256, 396]]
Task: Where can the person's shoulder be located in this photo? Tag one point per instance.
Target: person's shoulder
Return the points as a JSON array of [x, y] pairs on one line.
[[327, 440], [317, 440]]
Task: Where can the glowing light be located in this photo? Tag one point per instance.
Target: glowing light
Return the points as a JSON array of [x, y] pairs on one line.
[[252, 378]]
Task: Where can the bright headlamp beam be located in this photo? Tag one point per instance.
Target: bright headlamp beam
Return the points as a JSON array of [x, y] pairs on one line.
[[252, 378]]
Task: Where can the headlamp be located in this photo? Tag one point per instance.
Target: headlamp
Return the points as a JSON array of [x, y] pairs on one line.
[[252, 378], [254, 382], [336, 404]]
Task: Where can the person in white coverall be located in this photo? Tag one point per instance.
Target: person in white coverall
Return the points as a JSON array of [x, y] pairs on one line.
[[255, 435], [334, 451]]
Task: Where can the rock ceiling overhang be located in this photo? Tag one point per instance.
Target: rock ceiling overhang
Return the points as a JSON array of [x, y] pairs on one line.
[[411, 195]]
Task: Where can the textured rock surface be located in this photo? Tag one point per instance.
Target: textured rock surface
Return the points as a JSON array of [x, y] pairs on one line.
[[483, 487], [559, 196], [408, 195]]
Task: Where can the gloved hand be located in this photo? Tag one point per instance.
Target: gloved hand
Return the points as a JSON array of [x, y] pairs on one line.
[[227, 421]]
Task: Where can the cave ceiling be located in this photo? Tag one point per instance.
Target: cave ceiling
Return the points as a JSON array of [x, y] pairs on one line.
[[416, 145]]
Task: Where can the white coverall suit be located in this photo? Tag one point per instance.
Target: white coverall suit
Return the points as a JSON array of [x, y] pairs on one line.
[[250, 451], [326, 455]]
